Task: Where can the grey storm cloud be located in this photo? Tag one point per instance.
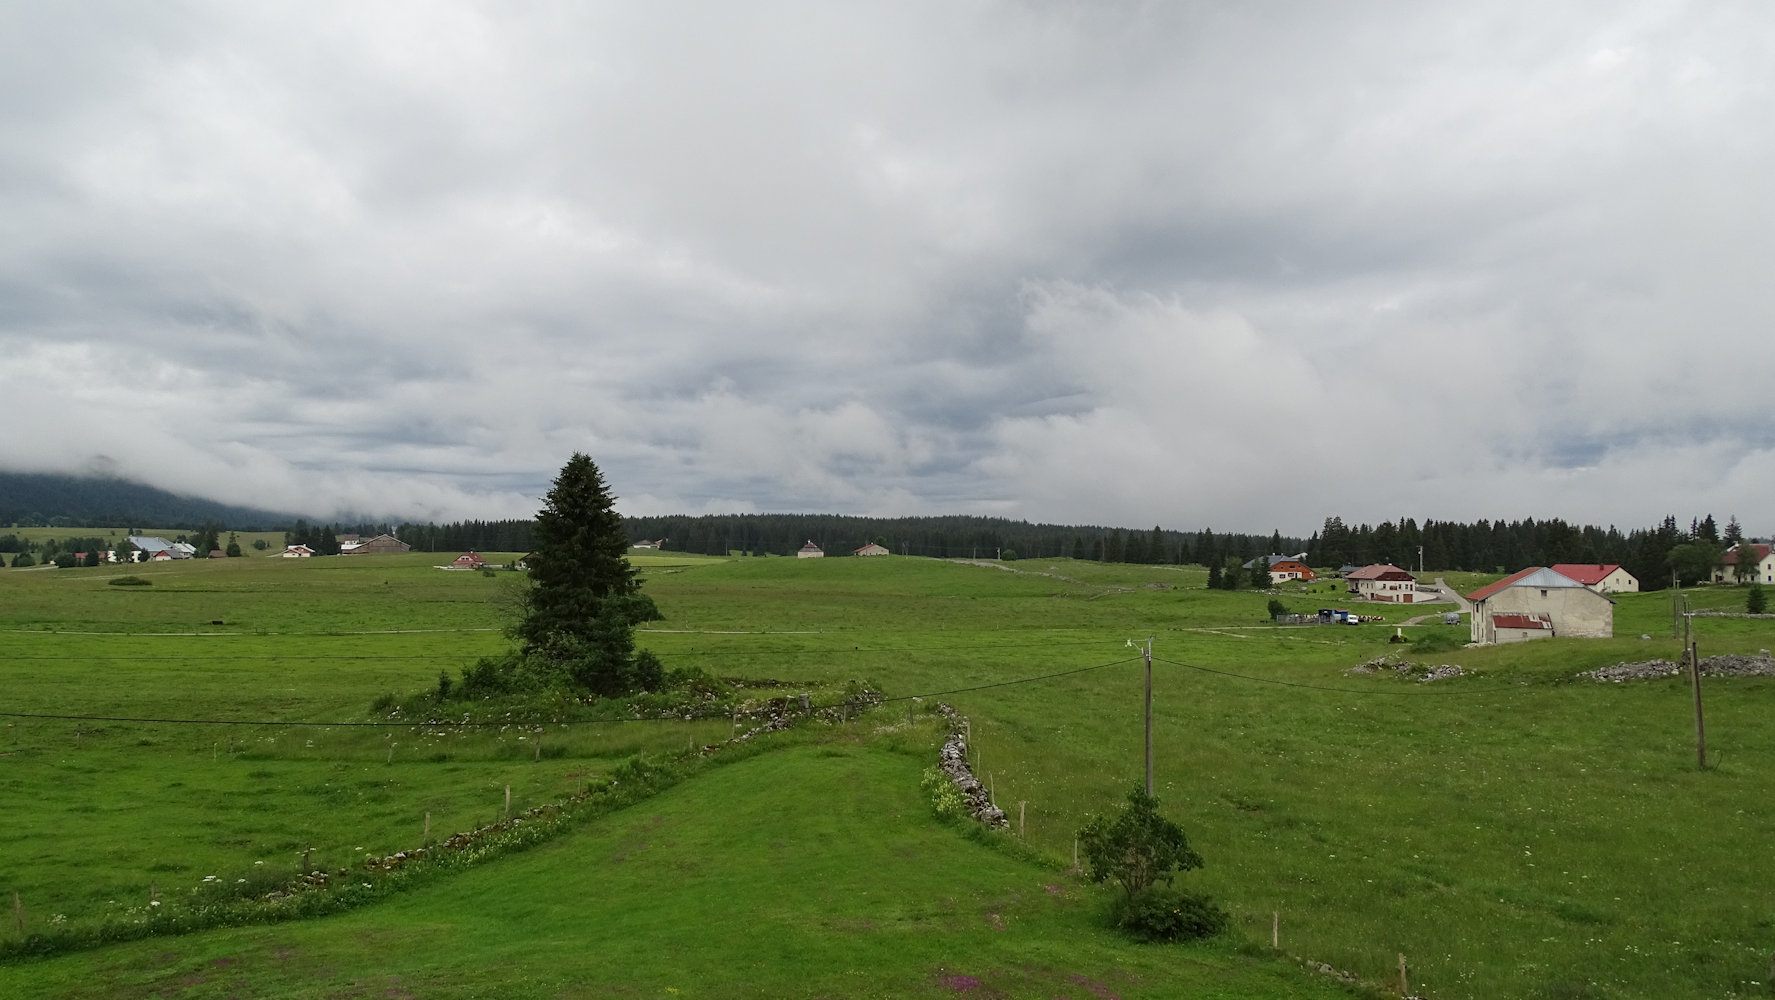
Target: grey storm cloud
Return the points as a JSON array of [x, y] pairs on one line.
[[1187, 264]]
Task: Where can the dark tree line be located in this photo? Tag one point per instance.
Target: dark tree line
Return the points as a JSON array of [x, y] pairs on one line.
[[1651, 554], [953, 537]]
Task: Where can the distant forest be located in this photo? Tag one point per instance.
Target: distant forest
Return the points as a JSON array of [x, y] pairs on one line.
[[34, 500], [1655, 555], [1483, 546]]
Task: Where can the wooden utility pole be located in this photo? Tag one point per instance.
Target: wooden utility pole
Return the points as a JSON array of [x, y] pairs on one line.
[[1147, 653]]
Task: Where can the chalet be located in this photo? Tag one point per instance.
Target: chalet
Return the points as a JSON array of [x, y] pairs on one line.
[[468, 560], [1604, 578], [810, 551], [1383, 582], [1538, 603], [1286, 567], [297, 552], [1762, 570], [380, 545], [646, 543], [872, 549]]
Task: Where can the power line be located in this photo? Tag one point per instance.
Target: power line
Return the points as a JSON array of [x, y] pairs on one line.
[[1446, 692]]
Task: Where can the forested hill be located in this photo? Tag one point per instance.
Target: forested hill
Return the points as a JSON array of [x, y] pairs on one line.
[[33, 499], [952, 537]]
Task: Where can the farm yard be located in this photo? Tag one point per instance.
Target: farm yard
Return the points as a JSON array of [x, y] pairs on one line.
[[1515, 831]]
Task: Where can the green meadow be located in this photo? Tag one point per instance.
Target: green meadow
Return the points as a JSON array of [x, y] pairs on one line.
[[1515, 832]]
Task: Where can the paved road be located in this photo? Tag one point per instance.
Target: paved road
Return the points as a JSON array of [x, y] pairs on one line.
[[1447, 594]]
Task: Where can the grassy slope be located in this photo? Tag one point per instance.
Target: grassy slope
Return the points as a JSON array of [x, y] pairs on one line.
[[1514, 833], [810, 872]]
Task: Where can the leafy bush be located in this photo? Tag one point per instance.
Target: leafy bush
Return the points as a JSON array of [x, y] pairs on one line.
[[1163, 913], [1277, 608], [947, 800], [129, 581], [1008, 555], [1137, 847]]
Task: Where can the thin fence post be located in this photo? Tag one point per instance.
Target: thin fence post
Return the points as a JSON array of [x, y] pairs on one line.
[[1700, 729], [508, 802], [18, 913], [1276, 929], [1021, 806], [427, 838], [1075, 854], [1404, 984]]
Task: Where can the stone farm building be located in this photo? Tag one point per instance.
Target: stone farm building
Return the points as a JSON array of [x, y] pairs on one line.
[[469, 560], [872, 549], [1383, 582], [1538, 603], [1604, 578], [810, 551]]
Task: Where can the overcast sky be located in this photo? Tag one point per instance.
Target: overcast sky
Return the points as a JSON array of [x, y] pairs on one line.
[[1188, 264]]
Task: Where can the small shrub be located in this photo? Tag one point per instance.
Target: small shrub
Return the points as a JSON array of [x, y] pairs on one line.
[[1277, 608], [129, 581], [384, 702], [947, 800], [1163, 913], [1008, 555]]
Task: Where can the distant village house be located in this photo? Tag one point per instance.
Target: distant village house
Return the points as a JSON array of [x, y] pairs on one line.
[[810, 551], [1759, 564], [380, 545], [1604, 578], [872, 549]]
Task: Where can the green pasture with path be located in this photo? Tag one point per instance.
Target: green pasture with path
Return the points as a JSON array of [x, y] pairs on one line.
[[1512, 832]]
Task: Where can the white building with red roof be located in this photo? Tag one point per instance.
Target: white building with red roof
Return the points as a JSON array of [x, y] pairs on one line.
[[1604, 578], [1538, 603], [810, 551], [1762, 572], [1383, 582]]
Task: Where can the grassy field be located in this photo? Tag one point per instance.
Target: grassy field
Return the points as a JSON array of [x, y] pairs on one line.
[[1514, 832]]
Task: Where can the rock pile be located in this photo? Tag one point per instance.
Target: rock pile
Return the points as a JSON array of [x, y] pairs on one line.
[[1760, 665], [1405, 668], [953, 759]]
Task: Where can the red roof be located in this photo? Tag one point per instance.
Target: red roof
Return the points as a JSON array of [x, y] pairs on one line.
[[1380, 571], [1491, 588], [1523, 621], [1588, 574], [1762, 551]]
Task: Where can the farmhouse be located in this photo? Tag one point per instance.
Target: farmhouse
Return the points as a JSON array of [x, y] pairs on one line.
[[1383, 582], [1604, 578], [153, 548], [647, 543], [1286, 567], [297, 552], [468, 560], [810, 551], [1538, 603], [871, 549], [380, 545], [1759, 563]]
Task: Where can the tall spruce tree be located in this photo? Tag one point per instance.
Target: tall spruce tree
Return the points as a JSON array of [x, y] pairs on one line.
[[580, 612]]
